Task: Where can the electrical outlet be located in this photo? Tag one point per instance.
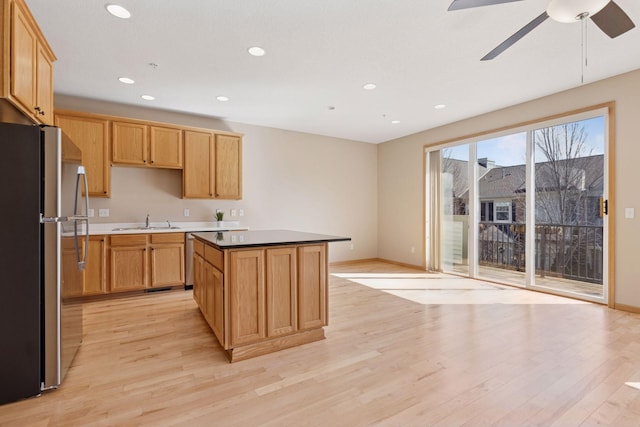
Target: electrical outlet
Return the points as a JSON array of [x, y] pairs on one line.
[[103, 212], [233, 212], [91, 213], [241, 212], [185, 212]]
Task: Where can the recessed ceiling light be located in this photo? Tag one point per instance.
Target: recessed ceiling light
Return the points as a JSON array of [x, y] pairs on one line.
[[439, 106], [395, 122], [126, 80], [148, 97], [222, 98], [369, 86], [256, 51], [118, 11]]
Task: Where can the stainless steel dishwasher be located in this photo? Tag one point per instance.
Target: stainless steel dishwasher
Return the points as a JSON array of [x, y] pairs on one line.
[[188, 254]]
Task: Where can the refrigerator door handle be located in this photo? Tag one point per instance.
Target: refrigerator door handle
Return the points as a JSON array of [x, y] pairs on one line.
[[82, 262]]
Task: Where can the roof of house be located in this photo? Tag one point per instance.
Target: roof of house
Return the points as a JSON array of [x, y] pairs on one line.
[[585, 173]]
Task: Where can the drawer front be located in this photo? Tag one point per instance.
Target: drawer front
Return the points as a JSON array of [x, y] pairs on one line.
[[129, 240], [167, 238], [198, 247], [214, 257]]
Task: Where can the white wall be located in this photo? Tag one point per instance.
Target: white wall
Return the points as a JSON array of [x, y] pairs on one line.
[[291, 180], [401, 173]]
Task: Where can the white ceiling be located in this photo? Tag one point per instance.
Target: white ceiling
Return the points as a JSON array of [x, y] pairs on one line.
[[319, 55]]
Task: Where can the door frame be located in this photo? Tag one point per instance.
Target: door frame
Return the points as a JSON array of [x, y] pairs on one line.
[[433, 259]]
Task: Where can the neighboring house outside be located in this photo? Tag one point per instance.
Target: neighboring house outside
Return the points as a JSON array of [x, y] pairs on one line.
[[567, 214]]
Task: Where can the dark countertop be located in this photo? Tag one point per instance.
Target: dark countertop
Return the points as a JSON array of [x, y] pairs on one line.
[[254, 238]]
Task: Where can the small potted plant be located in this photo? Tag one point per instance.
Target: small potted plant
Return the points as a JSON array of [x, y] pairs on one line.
[[219, 216]]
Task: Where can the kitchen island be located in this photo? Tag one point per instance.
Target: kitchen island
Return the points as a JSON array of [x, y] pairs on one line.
[[264, 290]]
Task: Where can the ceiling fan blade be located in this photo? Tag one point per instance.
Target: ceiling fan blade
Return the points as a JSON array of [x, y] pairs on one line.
[[517, 36], [467, 4], [612, 20]]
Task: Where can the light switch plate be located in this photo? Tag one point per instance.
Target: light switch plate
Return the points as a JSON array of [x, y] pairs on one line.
[[185, 212], [103, 212], [91, 213], [629, 213], [233, 212]]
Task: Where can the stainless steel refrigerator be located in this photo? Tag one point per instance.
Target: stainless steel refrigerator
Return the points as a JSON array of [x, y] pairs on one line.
[[42, 186]]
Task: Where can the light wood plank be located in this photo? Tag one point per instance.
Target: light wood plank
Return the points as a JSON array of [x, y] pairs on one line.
[[387, 360]]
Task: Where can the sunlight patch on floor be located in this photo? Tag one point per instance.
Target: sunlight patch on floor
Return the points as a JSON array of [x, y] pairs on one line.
[[440, 288]]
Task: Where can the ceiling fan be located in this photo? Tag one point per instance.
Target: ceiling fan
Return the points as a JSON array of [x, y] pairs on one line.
[[606, 14]]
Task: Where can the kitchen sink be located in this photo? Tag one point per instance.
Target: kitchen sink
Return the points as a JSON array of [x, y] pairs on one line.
[[146, 228]]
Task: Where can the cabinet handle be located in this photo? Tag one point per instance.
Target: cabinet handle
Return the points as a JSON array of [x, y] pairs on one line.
[[39, 111]]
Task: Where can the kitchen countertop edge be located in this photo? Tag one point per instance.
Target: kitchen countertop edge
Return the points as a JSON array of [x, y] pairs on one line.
[[246, 240]]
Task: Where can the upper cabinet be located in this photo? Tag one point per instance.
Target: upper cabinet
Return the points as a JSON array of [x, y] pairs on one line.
[[211, 160], [91, 135], [212, 166], [228, 166], [26, 63], [138, 144]]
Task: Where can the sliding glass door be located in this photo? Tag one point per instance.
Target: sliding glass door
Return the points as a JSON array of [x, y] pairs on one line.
[[528, 208], [569, 192], [501, 198], [454, 210]]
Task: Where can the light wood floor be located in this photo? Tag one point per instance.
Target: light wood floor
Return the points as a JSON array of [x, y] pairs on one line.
[[387, 360]]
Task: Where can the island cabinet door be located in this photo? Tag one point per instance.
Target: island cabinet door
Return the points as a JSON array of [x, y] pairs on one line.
[[312, 287], [198, 279], [282, 285], [246, 296], [216, 301]]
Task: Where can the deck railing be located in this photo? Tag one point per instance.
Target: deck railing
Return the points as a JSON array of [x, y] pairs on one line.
[[568, 251]]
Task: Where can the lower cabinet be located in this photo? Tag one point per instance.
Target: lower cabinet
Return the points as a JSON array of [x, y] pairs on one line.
[[167, 259], [121, 263], [282, 291], [91, 281], [208, 292], [261, 294], [129, 263], [312, 296], [247, 309]]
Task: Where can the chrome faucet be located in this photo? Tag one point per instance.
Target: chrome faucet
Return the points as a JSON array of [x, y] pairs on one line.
[[146, 223], [168, 223]]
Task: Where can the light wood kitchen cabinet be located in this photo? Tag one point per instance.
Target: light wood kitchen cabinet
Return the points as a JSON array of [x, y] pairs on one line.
[[198, 174], [142, 261], [215, 299], [129, 144], [91, 135], [208, 288], [27, 62], [167, 259], [91, 281], [212, 166], [165, 147], [129, 262], [247, 297], [282, 284], [312, 297], [228, 167], [198, 273], [262, 297], [138, 144]]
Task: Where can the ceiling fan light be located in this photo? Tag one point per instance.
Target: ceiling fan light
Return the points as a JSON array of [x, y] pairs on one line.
[[570, 10]]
